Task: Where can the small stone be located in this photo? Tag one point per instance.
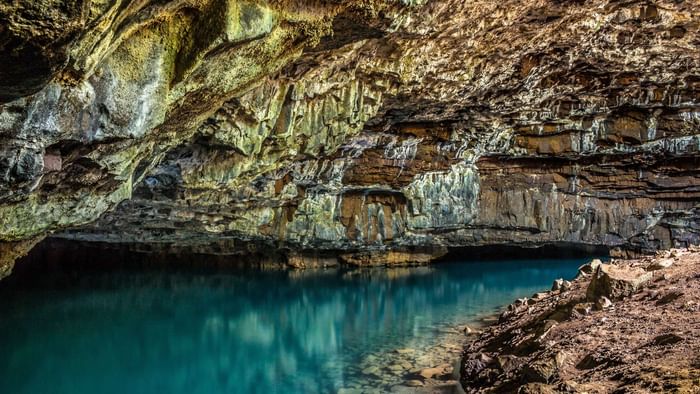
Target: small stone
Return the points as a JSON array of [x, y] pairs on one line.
[[667, 339], [52, 162], [566, 286], [561, 285], [470, 331], [560, 358], [669, 297], [583, 308], [660, 264], [591, 361], [603, 303], [405, 351], [556, 285], [569, 386], [414, 383], [508, 362], [545, 328], [540, 371], [536, 388], [678, 252], [440, 370], [589, 268]]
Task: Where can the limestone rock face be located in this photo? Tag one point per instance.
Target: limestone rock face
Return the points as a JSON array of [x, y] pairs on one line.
[[354, 126]]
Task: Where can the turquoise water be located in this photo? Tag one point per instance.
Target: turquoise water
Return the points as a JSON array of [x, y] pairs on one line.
[[239, 332]]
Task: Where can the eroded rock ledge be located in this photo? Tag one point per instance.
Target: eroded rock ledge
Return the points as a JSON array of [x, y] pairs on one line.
[[371, 127], [627, 326]]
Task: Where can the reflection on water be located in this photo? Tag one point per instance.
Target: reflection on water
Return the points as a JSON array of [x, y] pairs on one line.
[[267, 332]]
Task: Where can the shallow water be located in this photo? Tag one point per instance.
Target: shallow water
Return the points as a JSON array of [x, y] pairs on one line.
[[240, 332]]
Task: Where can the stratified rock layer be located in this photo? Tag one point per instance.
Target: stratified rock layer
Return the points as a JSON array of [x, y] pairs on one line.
[[360, 127]]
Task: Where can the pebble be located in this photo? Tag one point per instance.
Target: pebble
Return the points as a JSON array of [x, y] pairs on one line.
[[603, 303]]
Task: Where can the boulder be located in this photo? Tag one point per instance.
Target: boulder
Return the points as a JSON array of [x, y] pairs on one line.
[[616, 282]]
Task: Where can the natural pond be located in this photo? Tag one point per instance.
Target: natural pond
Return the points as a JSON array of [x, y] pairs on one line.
[[313, 331]]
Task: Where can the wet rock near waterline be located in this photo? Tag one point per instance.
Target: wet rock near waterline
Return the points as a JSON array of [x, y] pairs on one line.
[[562, 343]]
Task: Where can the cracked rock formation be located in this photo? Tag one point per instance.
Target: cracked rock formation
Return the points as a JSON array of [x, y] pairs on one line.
[[383, 130]]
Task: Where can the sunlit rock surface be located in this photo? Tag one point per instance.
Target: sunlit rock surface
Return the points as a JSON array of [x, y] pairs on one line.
[[361, 126]]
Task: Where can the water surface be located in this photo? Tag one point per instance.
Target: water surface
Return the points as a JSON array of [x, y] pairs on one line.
[[190, 332]]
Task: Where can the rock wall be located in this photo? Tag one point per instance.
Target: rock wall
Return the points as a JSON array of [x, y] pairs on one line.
[[379, 127]]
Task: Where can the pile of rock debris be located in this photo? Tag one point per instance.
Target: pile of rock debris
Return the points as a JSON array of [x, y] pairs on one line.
[[627, 326]]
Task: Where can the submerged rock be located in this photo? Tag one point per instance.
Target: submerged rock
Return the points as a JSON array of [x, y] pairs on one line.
[[436, 372]]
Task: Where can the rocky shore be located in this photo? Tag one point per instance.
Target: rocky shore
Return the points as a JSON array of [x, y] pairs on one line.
[[627, 326]]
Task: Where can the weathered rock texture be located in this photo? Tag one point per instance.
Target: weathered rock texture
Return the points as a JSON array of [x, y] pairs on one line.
[[354, 126], [646, 341]]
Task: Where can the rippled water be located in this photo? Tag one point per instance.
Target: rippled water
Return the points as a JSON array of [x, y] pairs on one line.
[[239, 332]]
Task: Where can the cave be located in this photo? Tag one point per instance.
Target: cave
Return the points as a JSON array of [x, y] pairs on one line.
[[378, 149]]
